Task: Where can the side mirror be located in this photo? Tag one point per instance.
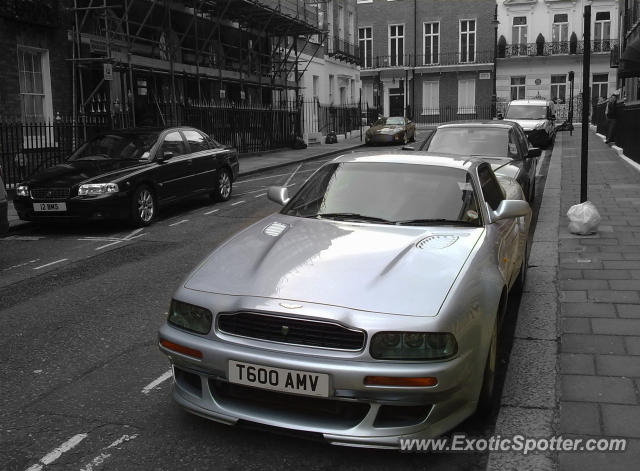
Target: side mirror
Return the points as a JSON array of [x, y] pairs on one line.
[[510, 209], [408, 148], [278, 194], [500, 116], [534, 152], [166, 155]]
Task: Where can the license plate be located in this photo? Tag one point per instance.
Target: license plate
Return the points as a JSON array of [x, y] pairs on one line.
[[49, 206], [279, 379]]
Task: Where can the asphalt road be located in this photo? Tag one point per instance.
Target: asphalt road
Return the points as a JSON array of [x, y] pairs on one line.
[[83, 385]]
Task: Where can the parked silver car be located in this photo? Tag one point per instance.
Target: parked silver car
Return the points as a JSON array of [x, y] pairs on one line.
[[366, 311]]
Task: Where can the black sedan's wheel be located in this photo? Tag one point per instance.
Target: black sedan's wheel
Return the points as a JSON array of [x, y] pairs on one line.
[[485, 401], [405, 138], [143, 206], [224, 186]]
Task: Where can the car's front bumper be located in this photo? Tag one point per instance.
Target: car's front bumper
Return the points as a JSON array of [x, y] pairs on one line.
[[385, 138], [109, 206], [354, 414]]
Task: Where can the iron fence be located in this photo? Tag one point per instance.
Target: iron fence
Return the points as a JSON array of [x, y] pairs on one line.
[[434, 59], [554, 48], [626, 130], [445, 114]]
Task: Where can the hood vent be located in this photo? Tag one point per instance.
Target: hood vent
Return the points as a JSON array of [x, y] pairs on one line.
[[275, 229], [437, 242]]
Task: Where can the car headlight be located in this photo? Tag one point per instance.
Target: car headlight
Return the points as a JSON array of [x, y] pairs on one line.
[[22, 190], [413, 346], [539, 125], [187, 316], [98, 188]]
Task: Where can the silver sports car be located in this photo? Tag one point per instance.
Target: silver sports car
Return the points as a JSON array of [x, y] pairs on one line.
[[366, 311]]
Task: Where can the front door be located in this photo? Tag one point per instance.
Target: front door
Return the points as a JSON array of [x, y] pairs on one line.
[[175, 172], [396, 105]]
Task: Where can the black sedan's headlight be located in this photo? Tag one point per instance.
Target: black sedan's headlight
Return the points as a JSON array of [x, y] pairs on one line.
[[187, 316], [413, 346]]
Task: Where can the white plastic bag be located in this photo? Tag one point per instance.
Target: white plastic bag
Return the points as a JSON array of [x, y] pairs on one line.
[[583, 218]]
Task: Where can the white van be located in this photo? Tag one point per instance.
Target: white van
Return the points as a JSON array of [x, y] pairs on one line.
[[537, 118]]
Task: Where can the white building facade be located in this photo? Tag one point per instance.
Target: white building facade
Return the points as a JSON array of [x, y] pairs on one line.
[[541, 41]]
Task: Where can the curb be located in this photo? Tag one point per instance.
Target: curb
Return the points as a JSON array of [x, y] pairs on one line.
[[529, 402]]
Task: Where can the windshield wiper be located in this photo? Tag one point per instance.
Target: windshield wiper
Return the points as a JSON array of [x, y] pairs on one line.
[[354, 216], [443, 222]]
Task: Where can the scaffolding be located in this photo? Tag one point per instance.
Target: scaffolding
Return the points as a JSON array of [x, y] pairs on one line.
[[133, 58]]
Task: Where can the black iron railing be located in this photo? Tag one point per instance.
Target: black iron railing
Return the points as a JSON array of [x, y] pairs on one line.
[[625, 135], [431, 60], [554, 48], [445, 114], [342, 49]]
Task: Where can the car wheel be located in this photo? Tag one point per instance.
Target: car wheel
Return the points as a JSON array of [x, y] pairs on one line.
[[143, 206], [224, 186], [485, 401], [522, 275], [405, 138]]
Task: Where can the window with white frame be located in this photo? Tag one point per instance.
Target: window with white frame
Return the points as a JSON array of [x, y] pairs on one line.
[[602, 32], [558, 88], [316, 87], [560, 28], [331, 85], [431, 43], [519, 35], [518, 87], [396, 45], [430, 97], [351, 26], [35, 86], [340, 21], [365, 41], [466, 96], [468, 41], [599, 87], [330, 25]]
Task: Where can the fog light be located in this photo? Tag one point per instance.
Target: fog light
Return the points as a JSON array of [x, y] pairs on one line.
[[398, 381], [192, 352]]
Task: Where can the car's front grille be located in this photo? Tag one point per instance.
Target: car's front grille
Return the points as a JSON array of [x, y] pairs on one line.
[[50, 193], [291, 330]]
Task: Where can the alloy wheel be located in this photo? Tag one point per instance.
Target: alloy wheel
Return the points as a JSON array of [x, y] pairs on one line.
[[146, 206], [224, 185]]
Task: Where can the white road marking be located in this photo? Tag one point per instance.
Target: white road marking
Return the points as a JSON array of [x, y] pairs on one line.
[[52, 263], [156, 382], [262, 188], [212, 211], [237, 202], [98, 460], [20, 264], [271, 176], [131, 234], [108, 245], [179, 222], [57, 452], [293, 174], [260, 195]]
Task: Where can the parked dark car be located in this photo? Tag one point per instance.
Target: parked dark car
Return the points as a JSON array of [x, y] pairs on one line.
[[497, 142], [129, 174], [394, 130], [4, 207]]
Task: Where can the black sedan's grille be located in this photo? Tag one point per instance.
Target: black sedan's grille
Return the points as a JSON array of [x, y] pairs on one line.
[[291, 331], [50, 193]]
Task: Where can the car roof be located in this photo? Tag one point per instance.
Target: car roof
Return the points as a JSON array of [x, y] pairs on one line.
[[479, 123], [438, 159], [536, 102]]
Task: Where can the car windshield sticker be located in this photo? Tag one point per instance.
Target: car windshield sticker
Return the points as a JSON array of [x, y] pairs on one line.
[[512, 148], [471, 214], [465, 186]]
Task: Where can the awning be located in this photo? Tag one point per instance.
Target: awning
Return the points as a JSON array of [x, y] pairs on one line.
[[630, 61]]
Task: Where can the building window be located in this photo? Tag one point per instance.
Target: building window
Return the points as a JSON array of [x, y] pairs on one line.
[[340, 21], [559, 88], [330, 21], [396, 45], [365, 41], [600, 87], [602, 32], [431, 43], [430, 97], [518, 88], [316, 87], [467, 40], [331, 85], [35, 88], [466, 96], [560, 34], [351, 27], [519, 36]]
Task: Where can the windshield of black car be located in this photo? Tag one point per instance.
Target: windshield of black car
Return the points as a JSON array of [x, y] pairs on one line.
[[116, 146], [389, 122], [485, 141], [526, 112], [393, 192]]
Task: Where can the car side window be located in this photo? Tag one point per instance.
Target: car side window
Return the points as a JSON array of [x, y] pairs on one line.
[[491, 189], [174, 143], [522, 141], [513, 150], [197, 142]]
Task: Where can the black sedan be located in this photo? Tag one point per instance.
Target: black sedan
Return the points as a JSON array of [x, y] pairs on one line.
[[129, 174], [501, 143], [391, 130]]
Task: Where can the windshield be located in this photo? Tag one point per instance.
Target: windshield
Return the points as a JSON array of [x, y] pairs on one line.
[[390, 193], [116, 147], [485, 141], [526, 112], [389, 121]]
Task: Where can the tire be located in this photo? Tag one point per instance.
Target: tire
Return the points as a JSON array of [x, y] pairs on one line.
[[518, 286], [144, 207], [224, 186], [405, 139], [485, 400]]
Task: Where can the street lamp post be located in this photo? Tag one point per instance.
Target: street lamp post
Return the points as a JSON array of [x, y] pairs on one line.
[[494, 93], [586, 65]]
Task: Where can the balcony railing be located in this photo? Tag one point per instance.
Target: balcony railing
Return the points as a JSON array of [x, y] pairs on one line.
[[555, 48], [432, 60], [342, 49]]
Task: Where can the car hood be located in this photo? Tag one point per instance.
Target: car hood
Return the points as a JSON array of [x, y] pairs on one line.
[[79, 171], [527, 124], [389, 269], [387, 129]]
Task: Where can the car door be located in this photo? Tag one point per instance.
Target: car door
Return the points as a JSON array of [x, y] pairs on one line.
[[203, 157], [529, 165], [174, 169], [508, 230]]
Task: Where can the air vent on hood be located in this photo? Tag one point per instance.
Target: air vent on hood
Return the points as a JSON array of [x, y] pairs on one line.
[[437, 242], [275, 229]]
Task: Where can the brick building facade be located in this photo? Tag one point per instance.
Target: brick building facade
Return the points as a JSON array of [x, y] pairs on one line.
[[420, 56]]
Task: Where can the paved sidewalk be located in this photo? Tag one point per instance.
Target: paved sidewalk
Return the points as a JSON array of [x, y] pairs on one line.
[[252, 163]]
